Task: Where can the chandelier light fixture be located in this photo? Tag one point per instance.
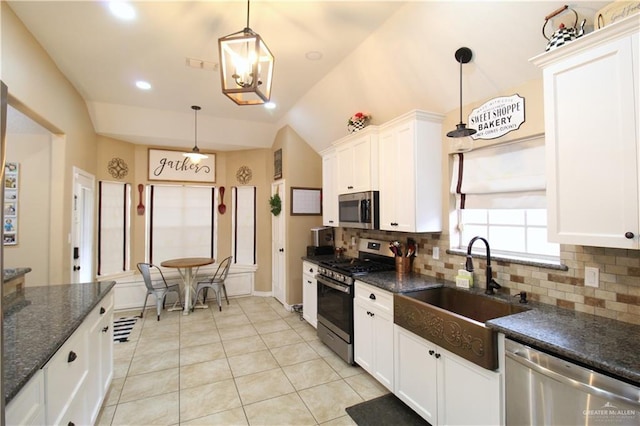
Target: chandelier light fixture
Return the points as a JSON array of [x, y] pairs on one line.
[[463, 56], [246, 67], [195, 155]]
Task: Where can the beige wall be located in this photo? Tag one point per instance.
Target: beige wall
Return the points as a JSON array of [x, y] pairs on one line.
[[301, 168], [38, 89], [33, 154]]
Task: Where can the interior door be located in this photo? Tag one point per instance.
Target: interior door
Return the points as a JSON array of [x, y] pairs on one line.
[[82, 227], [278, 232]]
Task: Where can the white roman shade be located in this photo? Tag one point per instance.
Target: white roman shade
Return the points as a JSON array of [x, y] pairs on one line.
[[244, 224], [181, 222], [113, 227], [509, 176]]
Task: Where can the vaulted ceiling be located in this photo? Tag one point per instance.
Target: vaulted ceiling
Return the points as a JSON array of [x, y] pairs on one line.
[[333, 58]]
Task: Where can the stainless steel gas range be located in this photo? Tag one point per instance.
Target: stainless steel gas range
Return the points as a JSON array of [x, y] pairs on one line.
[[335, 292]]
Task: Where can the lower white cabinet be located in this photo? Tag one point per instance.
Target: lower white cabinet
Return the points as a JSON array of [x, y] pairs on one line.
[[309, 293], [71, 387], [100, 336], [442, 387], [27, 407], [373, 332]]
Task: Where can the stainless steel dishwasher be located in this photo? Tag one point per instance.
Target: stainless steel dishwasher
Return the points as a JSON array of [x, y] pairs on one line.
[[541, 389]]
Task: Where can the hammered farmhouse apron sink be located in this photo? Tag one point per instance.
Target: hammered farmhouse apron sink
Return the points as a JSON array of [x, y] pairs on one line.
[[454, 319]]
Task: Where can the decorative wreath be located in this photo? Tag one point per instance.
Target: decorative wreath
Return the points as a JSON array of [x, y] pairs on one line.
[[276, 204], [117, 168]]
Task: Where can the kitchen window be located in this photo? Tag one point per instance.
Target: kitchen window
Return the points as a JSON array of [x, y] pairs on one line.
[[500, 195], [180, 222], [114, 232]]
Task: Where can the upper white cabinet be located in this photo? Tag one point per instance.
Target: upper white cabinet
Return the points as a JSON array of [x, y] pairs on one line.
[[411, 173], [329, 188], [591, 111], [357, 161]]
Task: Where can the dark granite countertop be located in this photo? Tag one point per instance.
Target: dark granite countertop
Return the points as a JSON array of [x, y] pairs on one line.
[[11, 273], [602, 344], [36, 323]]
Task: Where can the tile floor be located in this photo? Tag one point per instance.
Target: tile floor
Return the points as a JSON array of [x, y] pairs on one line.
[[254, 363]]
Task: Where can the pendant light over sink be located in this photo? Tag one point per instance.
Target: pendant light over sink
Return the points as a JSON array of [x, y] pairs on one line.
[[246, 67], [195, 154], [463, 56]]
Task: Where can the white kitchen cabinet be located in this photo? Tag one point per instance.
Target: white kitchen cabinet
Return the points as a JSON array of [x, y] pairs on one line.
[[591, 112], [442, 387], [329, 188], [357, 161], [309, 293], [27, 407], [373, 332], [100, 336], [73, 384], [65, 377], [410, 165]]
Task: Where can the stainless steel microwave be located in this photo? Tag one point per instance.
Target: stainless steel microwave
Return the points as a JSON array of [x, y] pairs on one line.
[[359, 210]]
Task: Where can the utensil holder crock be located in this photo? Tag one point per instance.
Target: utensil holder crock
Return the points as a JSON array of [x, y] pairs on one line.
[[403, 265]]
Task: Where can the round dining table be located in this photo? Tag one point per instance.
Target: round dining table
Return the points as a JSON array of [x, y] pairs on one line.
[[185, 266]]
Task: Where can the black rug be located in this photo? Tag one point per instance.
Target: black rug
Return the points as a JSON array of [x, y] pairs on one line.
[[122, 328], [385, 410]]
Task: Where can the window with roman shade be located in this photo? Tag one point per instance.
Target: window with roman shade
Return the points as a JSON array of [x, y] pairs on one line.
[[243, 201], [500, 195], [180, 222], [114, 232]]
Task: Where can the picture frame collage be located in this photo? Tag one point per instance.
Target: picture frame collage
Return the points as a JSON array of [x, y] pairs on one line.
[[10, 212]]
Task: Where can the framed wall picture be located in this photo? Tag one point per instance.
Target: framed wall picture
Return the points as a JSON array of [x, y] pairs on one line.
[[10, 213], [306, 201], [277, 164], [169, 165]]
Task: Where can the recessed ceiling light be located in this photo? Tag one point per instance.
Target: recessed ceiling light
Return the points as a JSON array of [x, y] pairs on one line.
[[270, 105], [122, 10], [144, 85], [313, 55]]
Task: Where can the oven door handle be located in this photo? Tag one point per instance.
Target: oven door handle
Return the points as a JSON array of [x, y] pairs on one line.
[[344, 289]]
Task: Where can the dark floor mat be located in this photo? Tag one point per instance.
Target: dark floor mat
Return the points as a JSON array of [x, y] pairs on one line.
[[385, 410]]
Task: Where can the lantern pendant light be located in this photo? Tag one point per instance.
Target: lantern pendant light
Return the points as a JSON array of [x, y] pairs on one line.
[[463, 56], [195, 155], [246, 67]]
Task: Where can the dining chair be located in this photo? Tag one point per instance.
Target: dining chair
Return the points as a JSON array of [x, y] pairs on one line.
[[159, 288], [216, 283]]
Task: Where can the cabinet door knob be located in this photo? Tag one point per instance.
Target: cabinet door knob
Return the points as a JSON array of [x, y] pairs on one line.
[[372, 296], [102, 310], [105, 329], [437, 355], [71, 424], [629, 235], [72, 356], [431, 352]]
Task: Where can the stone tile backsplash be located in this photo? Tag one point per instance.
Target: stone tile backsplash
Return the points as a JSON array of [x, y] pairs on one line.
[[617, 296]]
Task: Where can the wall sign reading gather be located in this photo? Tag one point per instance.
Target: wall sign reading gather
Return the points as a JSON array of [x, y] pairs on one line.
[[173, 166]]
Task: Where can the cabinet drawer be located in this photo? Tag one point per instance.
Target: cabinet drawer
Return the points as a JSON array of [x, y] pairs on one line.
[[65, 373], [309, 268], [103, 310], [374, 297]]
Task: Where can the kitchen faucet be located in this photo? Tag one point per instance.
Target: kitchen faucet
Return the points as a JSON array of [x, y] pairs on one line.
[[491, 283]]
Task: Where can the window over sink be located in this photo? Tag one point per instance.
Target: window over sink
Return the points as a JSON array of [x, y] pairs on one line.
[[500, 194]]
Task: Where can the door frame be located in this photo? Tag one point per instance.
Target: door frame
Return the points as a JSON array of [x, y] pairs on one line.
[[82, 226]]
